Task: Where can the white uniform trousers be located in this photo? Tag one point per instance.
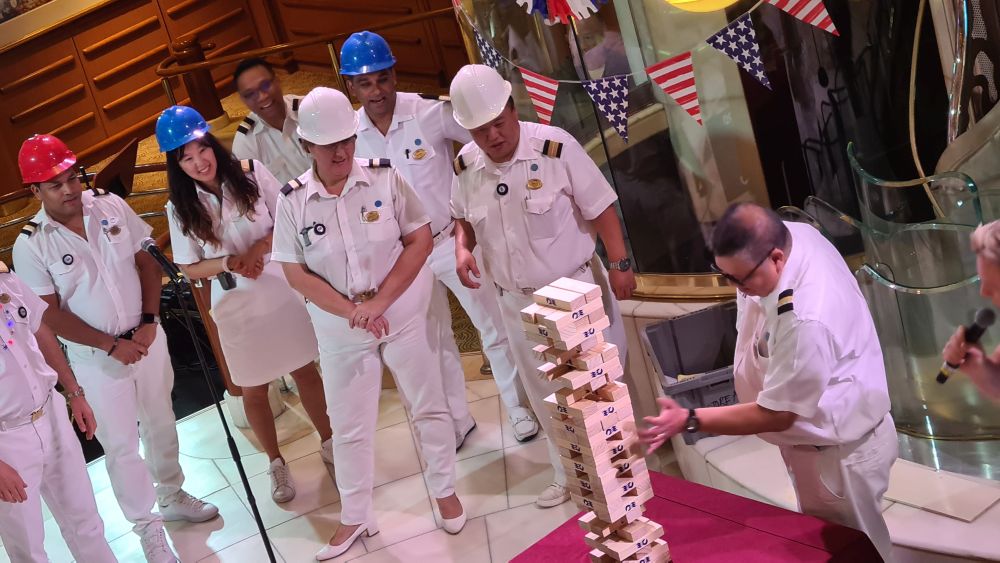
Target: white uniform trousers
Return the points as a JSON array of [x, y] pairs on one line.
[[120, 396], [537, 388], [351, 360], [47, 456], [484, 312], [845, 484]]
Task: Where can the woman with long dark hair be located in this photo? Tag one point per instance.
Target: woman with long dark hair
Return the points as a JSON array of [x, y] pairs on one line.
[[221, 214]]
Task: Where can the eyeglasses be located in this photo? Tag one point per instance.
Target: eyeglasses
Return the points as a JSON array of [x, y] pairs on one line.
[[738, 281], [265, 87]]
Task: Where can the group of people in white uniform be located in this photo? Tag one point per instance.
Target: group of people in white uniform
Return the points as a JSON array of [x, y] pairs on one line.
[[335, 234]]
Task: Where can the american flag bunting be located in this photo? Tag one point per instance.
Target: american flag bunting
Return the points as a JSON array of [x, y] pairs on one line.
[[738, 41], [542, 90], [676, 77], [610, 94], [812, 12]]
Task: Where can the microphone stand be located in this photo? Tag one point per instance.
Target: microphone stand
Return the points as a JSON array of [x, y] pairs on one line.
[[177, 283]]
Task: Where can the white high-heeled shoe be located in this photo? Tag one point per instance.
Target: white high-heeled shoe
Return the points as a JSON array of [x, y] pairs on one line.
[[331, 551], [454, 525]]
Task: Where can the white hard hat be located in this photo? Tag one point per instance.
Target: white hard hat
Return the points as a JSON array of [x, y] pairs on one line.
[[478, 95], [326, 116]]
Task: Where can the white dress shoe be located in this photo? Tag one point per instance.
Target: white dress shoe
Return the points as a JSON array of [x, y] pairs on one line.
[[461, 436], [182, 506], [523, 423], [331, 551], [454, 525], [554, 495]]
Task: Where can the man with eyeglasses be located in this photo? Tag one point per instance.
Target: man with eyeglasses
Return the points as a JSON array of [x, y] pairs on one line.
[[808, 370], [268, 133]]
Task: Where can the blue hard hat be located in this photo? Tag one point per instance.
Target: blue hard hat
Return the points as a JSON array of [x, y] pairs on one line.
[[178, 126], [365, 52]]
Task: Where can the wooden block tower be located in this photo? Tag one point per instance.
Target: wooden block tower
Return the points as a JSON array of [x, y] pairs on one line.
[[593, 423]]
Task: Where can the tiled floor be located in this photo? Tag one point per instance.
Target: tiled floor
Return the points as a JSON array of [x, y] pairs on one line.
[[498, 479]]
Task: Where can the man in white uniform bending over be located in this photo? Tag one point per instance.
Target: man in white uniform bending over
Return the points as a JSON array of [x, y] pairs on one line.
[[808, 370]]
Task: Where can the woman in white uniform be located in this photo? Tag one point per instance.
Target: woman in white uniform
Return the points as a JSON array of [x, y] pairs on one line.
[[221, 216], [354, 240]]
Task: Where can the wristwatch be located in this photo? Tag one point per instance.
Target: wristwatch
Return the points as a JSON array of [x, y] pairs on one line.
[[693, 424], [623, 265], [149, 319]]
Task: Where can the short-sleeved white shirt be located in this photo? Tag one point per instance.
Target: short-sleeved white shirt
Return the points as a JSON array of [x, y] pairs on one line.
[[352, 241], [96, 279], [810, 347], [278, 149], [531, 237], [420, 143], [25, 378], [236, 232]]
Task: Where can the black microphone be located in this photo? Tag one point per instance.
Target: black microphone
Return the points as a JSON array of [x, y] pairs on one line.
[[149, 245], [984, 320]]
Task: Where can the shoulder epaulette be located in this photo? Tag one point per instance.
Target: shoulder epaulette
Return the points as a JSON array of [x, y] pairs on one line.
[[552, 148], [295, 104], [29, 228], [785, 301], [3, 268], [247, 165], [98, 192], [459, 165], [246, 126], [294, 184], [437, 97], [377, 163]]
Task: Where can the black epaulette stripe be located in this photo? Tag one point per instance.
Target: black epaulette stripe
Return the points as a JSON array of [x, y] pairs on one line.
[[242, 129], [459, 165], [294, 184], [98, 192], [28, 232], [786, 293], [295, 104], [437, 97], [378, 163], [786, 308], [552, 148], [250, 122]]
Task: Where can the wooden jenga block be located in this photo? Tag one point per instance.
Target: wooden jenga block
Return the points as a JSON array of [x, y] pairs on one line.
[[550, 371], [598, 556], [596, 356], [613, 391], [596, 466], [658, 552], [560, 320], [529, 312], [629, 506], [567, 397], [590, 522], [637, 530], [574, 379], [643, 534], [590, 291], [585, 333], [556, 298]]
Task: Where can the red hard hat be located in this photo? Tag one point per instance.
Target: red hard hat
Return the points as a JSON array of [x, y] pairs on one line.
[[44, 157]]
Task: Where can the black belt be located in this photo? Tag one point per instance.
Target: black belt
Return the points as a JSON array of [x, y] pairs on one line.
[[128, 334]]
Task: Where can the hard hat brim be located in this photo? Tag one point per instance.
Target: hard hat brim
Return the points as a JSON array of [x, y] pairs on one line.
[[180, 142], [321, 140], [368, 69], [487, 117], [56, 170]]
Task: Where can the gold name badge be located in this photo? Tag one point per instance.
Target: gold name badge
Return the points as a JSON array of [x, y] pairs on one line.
[[371, 216], [4, 298], [115, 230], [419, 154], [534, 184]]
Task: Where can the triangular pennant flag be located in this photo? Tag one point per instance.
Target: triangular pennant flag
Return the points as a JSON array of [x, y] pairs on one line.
[[610, 94], [739, 42], [542, 91], [810, 11], [676, 77], [490, 55]]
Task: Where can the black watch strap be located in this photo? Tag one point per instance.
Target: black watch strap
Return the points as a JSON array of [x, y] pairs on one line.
[[147, 319], [693, 424]]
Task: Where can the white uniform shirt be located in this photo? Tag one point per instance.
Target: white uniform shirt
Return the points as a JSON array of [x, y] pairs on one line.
[[810, 348], [96, 279], [25, 379], [420, 143], [531, 237], [352, 241], [236, 232], [279, 150]]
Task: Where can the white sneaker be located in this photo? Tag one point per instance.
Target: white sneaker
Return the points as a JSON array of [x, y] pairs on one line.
[[282, 486], [182, 506], [523, 423], [554, 495], [326, 451], [460, 436], [155, 547]]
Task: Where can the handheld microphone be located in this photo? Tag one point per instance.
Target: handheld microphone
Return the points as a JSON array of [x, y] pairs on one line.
[[149, 245], [984, 319]]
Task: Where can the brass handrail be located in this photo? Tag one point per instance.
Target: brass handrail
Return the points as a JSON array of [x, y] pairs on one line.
[[164, 72]]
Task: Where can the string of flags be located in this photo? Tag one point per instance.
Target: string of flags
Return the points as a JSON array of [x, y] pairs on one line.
[[738, 41]]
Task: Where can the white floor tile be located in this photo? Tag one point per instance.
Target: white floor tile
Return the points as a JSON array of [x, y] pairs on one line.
[[115, 524], [98, 471], [481, 389], [201, 476], [128, 550], [395, 454], [512, 531], [234, 524], [480, 484], [390, 409], [487, 435], [403, 511], [258, 463], [202, 435], [250, 550], [300, 538], [313, 489], [529, 471], [469, 546]]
